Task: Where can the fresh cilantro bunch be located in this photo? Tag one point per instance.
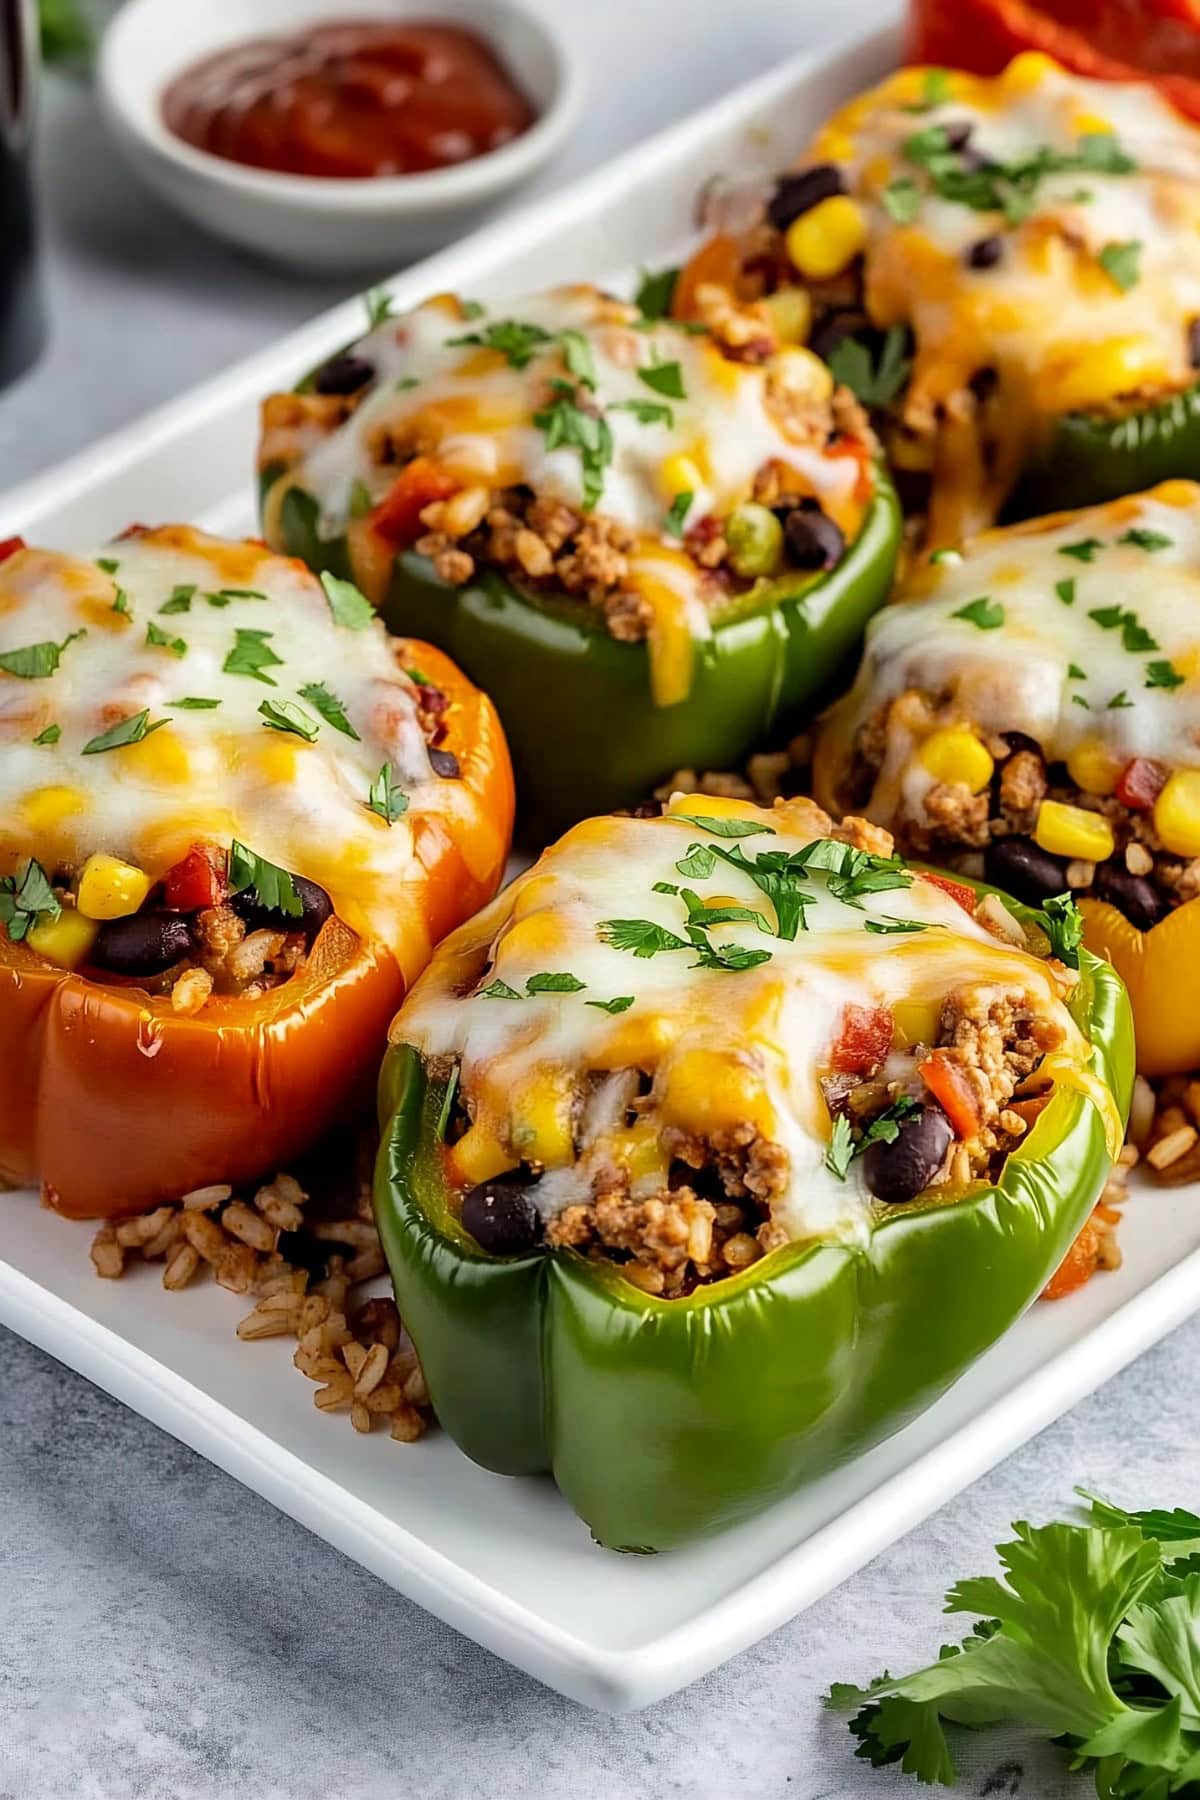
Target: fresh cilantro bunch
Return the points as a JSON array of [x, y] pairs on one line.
[[1092, 1639]]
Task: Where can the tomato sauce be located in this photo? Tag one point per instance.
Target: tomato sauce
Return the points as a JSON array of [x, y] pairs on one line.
[[359, 99]]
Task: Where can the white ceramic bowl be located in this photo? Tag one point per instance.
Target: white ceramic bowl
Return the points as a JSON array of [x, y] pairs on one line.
[[315, 222]]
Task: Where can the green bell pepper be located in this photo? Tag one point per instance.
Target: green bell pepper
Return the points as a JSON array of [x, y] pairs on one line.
[[1090, 457], [585, 734], [664, 1419]]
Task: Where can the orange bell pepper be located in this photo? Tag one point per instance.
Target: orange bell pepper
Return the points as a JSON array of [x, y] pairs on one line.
[[952, 1091], [1151, 964], [115, 1103]]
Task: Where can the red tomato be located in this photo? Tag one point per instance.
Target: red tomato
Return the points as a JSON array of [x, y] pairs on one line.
[[957, 890], [10, 546], [197, 880], [1140, 783], [949, 1086], [398, 515], [863, 1040]]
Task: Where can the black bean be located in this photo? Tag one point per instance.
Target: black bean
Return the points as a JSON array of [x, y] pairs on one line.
[[1133, 895], [813, 540], [501, 1217], [1194, 343], [315, 901], [343, 374], [1023, 870], [984, 383], [984, 253], [836, 327], [801, 190], [1017, 740], [904, 1168], [445, 763], [145, 943], [957, 134]]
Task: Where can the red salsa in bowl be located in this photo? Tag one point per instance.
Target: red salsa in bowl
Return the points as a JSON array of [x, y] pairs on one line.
[[353, 99]]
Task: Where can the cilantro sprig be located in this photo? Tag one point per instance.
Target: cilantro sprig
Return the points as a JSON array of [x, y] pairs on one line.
[[273, 885], [35, 662], [875, 383], [25, 900], [565, 423]]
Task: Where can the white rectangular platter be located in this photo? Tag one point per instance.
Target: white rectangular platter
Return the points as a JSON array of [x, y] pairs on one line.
[[505, 1560]]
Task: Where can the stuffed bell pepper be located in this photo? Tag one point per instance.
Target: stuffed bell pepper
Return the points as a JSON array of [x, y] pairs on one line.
[[1007, 272], [721, 1143], [236, 817], [647, 547], [1029, 712]]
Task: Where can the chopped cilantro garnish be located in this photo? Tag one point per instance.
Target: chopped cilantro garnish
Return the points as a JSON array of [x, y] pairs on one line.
[[1075, 673], [1134, 635], [181, 598], [360, 499], [23, 902], [1065, 589], [378, 303], [1163, 675], [447, 1106], [121, 602], [723, 827], [724, 956], [385, 799], [677, 512], [566, 424], [50, 735], [874, 384], [349, 608], [515, 339], [1120, 263], [157, 638], [699, 862], [705, 917], [656, 290], [884, 1128], [1120, 699], [945, 555], [665, 378], [887, 926], [1143, 538], [498, 990], [226, 595], [549, 982], [126, 731], [473, 309], [841, 1148], [109, 564], [640, 936], [985, 613], [577, 354], [851, 873], [252, 655], [34, 662], [1083, 551], [404, 384], [329, 707], [621, 1004], [273, 885], [667, 887], [1063, 923], [418, 675], [193, 703], [283, 715], [935, 91], [1078, 700], [902, 200], [646, 412]]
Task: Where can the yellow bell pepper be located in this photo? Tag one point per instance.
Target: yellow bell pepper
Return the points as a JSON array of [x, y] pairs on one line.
[[1166, 1019]]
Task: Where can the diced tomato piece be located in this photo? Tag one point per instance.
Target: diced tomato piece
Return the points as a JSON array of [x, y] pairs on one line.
[[1077, 1266], [863, 1040], [131, 531], [418, 485], [1140, 783], [197, 880], [947, 1082], [957, 890], [10, 546]]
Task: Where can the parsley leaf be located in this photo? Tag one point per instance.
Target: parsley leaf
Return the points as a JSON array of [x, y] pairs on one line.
[[985, 613], [705, 917], [665, 378], [646, 412], [724, 956], [181, 598], [121, 602], [1119, 700], [1163, 674], [273, 885], [656, 290], [378, 303], [126, 731], [329, 707], [1143, 538], [1121, 263], [577, 354], [873, 384], [1063, 924], [50, 735], [887, 926], [621, 1004], [284, 715], [902, 200], [935, 91], [252, 655], [641, 936], [677, 512], [226, 595], [1075, 673], [550, 983], [723, 827], [193, 703], [23, 902], [109, 564], [498, 990], [840, 1153], [349, 608], [566, 424], [515, 339], [1065, 590], [386, 799], [851, 874], [1083, 551], [34, 662], [699, 862], [158, 638]]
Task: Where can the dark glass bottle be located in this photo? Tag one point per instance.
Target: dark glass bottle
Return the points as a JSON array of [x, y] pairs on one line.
[[21, 323]]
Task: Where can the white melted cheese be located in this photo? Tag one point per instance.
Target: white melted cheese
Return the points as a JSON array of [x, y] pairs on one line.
[[757, 1041], [474, 411], [214, 774], [1049, 668], [1047, 316]]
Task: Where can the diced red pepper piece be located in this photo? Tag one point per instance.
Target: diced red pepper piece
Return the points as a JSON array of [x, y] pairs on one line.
[[418, 485], [957, 890], [1077, 1266], [10, 546], [196, 881], [863, 1040], [947, 1082], [1140, 783]]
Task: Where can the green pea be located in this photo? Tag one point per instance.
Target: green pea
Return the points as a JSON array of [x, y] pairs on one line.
[[755, 539]]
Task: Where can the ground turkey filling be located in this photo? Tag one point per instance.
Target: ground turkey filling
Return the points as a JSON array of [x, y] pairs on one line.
[[991, 834], [713, 1219]]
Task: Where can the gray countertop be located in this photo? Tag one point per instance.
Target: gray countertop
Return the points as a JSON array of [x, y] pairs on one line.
[[166, 1635]]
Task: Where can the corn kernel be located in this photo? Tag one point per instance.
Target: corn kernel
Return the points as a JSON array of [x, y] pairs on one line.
[[1092, 767], [1177, 813], [790, 311], [1071, 831], [480, 1156], [541, 1120], [956, 755], [1029, 71], [822, 241], [705, 1089], [109, 888], [681, 475], [66, 940], [48, 806], [802, 373]]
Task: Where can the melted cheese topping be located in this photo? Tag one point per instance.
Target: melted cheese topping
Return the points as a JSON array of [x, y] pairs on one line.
[[1047, 315], [722, 1046], [711, 433], [1048, 667], [217, 773]]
